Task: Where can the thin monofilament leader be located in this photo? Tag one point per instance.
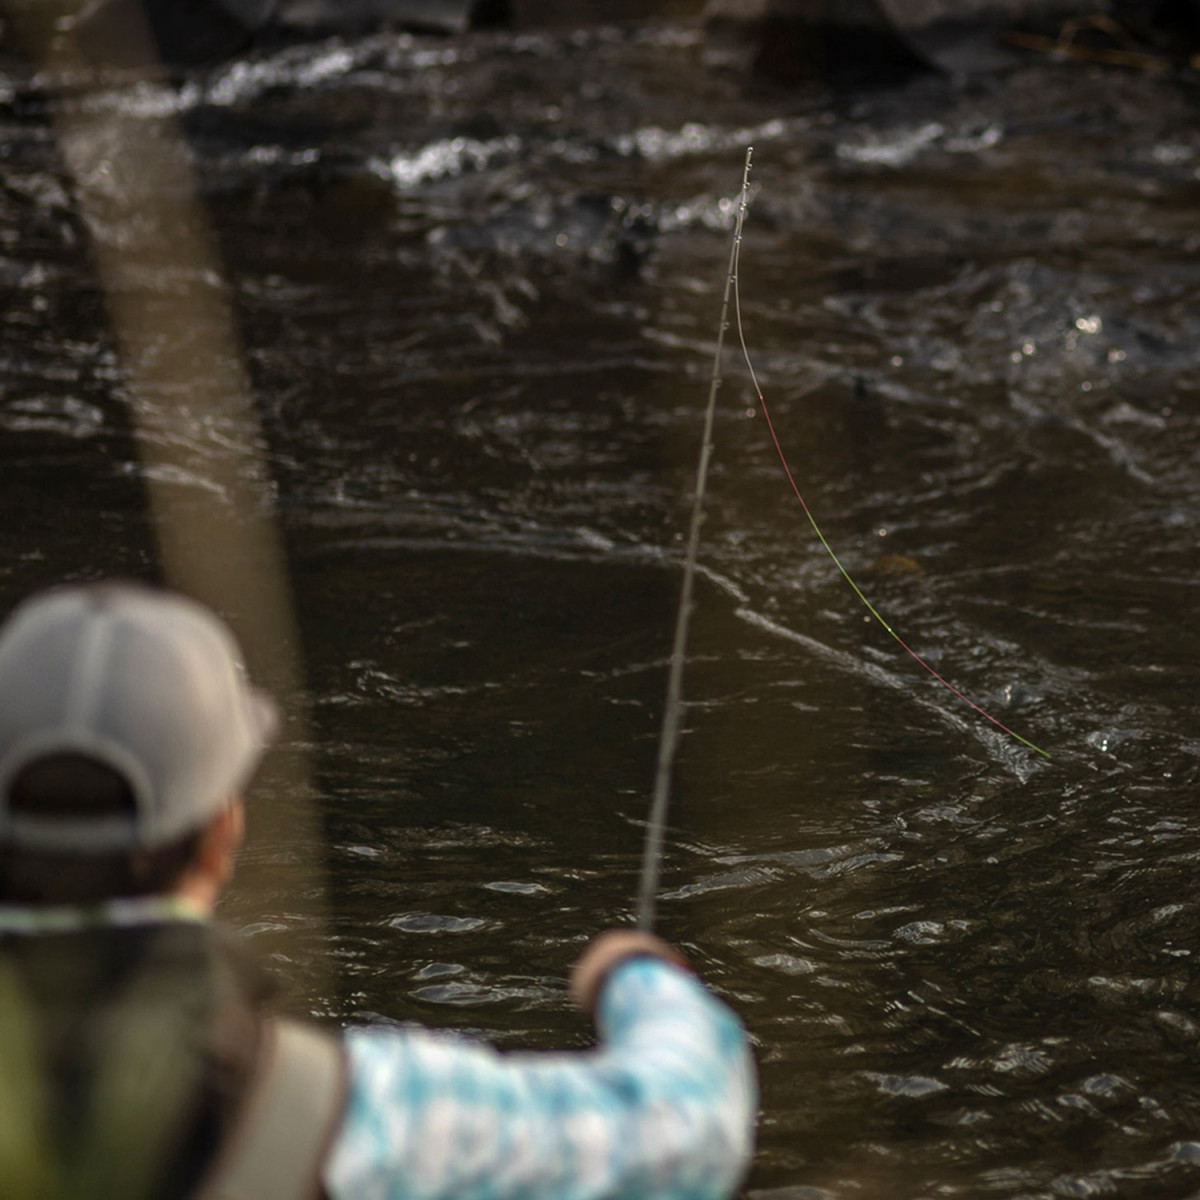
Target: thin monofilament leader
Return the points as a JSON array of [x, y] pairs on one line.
[[668, 742]]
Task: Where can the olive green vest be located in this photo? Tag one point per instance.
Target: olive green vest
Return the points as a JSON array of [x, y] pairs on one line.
[[136, 1063]]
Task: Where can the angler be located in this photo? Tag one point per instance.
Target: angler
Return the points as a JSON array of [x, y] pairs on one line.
[[137, 1055]]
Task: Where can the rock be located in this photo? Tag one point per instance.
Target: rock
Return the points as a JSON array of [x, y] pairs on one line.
[[966, 36], [457, 16], [798, 39], [540, 14], [425, 16], [186, 32], [789, 41]]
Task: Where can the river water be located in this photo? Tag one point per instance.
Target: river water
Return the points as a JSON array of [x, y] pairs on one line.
[[478, 285]]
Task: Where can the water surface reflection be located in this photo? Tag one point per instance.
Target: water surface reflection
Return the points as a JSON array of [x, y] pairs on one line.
[[478, 285]]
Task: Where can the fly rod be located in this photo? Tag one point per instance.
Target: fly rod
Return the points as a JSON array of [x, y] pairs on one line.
[[668, 742]]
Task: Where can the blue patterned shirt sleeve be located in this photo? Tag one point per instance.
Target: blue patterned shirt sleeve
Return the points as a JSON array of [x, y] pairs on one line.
[[662, 1109]]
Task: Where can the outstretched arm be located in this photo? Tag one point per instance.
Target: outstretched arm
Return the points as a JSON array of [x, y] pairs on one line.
[[663, 1109]]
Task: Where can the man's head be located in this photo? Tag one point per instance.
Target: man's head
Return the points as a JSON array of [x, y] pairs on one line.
[[127, 726]]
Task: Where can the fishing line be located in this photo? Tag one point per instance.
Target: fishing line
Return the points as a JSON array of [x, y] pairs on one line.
[[737, 309], [673, 709], [668, 742]]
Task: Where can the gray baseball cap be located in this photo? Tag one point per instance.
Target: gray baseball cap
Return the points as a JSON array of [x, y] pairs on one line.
[[148, 683]]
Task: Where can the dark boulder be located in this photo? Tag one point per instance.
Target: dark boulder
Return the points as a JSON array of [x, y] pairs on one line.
[[792, 40], [786, 40], [425, 16], [963, 36], [457, 16], [185, 32]]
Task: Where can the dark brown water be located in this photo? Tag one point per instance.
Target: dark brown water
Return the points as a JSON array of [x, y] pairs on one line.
[[478, 286]]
